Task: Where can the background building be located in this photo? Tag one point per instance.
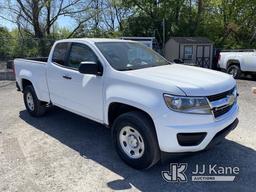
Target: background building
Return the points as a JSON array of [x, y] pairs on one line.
[[196, 50]]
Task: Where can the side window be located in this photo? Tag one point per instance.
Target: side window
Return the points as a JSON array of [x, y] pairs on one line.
[[79, 53], [188, 52], [59, 53]]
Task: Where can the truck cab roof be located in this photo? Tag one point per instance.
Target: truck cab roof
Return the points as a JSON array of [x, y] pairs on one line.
[[93, 40]]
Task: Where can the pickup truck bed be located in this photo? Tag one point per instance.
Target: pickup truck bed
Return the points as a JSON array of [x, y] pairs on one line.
[[34, 70], [41, 59]]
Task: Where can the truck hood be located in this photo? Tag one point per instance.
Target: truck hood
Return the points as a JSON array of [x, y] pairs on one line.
[[193, 81]]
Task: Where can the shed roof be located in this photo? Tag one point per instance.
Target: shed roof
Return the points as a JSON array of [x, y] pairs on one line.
[[191, 40]]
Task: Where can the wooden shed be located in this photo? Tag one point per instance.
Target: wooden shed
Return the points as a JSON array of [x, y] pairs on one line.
[[197, 50]]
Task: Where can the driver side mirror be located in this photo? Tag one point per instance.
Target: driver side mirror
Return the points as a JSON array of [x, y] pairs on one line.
[[90, 67]]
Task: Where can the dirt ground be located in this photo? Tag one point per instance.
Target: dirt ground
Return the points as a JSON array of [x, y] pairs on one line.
[[65, 152]]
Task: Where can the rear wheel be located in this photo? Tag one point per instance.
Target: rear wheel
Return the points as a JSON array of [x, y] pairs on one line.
[[135, 140], [234, 70], [34, 106]]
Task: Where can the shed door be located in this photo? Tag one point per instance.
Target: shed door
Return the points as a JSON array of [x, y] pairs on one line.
[[203, 55]]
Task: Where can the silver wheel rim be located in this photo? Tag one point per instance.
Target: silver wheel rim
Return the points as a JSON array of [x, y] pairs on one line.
[[131, 142], [30, 101], [233, 71]]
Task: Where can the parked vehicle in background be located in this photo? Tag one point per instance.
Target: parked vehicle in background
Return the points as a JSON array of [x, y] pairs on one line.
[[149, 104], [9, 64], [236, 62]]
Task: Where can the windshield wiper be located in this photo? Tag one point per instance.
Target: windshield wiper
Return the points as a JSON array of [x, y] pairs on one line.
[[127, 69], [143, 67]]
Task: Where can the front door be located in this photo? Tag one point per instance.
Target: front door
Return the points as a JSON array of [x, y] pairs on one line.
[[203, 55], [79, 93]]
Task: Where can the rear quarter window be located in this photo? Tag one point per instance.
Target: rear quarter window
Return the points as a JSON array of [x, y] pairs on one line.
[[59, 53]]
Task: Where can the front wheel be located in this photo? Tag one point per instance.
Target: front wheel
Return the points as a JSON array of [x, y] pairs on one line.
[[33, 105], [135, 140], [234, 70]]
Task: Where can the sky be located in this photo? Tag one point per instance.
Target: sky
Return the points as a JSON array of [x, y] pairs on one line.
[[63, 21]]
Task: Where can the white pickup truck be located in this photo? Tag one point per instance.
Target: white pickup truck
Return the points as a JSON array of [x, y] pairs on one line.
[[237, 62], [150, 104]]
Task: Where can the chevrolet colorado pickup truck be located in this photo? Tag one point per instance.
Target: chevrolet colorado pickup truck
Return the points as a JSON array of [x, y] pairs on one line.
[[236, 63], [151, 105]]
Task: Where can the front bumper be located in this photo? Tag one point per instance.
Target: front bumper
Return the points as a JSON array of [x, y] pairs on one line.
[[204, 129], [221, 134], [17, 86]]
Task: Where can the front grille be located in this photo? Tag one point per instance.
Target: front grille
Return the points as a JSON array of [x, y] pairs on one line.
[[222, 111], [220, 95]]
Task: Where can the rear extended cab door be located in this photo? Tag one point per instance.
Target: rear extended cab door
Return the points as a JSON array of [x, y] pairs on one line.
[[71, 90]]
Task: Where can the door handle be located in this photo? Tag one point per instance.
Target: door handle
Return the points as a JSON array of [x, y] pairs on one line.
[[67, 77]]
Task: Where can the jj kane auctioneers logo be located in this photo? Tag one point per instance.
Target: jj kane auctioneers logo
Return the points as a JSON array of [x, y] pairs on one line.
[[177, 173]]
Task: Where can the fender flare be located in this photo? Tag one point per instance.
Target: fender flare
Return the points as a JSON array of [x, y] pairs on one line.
[[26, 75], [131, 103]]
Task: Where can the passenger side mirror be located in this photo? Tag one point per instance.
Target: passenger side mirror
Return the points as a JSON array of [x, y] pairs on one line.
[[179, 61], [90, 67]]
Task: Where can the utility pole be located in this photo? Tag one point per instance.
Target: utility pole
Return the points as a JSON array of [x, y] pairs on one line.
[[163, 33], [163, 24]]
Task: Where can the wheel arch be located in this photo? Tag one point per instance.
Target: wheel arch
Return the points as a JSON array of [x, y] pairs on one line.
[[233, 62], [117, 108], [25, 78], [25, 82]]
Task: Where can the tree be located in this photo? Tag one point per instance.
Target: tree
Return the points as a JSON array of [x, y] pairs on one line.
[[38, 17], [229, 23], [5, 42], [115, 12], [109, 17]]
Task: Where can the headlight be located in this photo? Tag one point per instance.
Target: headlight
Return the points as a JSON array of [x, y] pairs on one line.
[[197, 105], [235, 93]]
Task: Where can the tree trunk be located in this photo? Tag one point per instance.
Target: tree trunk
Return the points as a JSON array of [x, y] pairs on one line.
[[200, 8], [48, 18]]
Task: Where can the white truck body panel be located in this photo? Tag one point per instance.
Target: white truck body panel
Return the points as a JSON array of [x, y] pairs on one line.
[[91, 95], [194, 81], [247, 60], [34, 71], [82, 95]]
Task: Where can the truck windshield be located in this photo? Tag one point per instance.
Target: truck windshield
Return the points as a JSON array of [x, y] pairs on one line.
[[124, 56]]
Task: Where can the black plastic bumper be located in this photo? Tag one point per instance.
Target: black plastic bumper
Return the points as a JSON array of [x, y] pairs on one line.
[[221, 134], [190, 139], [18, 87], [216, 139], [194, 139]]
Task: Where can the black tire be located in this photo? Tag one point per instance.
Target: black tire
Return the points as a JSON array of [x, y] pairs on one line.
[[141, 123], [254, 76], [39, 108], [234, 70]]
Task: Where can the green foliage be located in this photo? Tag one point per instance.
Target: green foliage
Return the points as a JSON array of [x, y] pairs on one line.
[[228, 23], [17, 44], [5, 43]]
